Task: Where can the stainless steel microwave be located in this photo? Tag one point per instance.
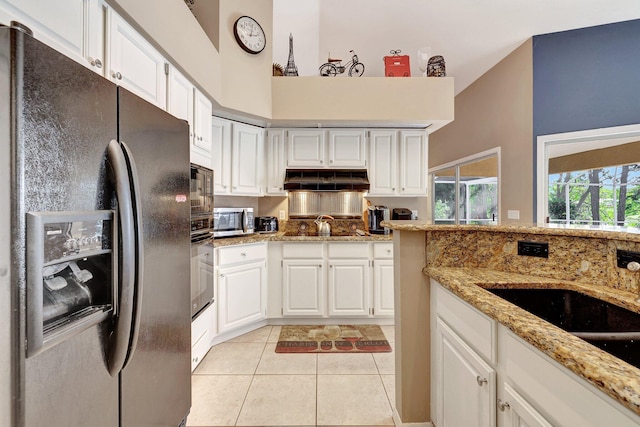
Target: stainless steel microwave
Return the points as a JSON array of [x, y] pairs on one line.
[[232, 221]]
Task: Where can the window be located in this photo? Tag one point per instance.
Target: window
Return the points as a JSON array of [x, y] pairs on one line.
[[466, 191], [608, 196]]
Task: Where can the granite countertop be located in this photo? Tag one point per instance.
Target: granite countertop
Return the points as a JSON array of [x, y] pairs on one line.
[[613, 376], [281, 237], [618, 233]]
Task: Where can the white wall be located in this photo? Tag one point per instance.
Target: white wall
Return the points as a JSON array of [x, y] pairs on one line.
[[302, 19], [369, 27]]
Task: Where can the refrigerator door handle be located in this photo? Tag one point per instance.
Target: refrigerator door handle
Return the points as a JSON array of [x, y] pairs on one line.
[[137, 202], [120, 338]]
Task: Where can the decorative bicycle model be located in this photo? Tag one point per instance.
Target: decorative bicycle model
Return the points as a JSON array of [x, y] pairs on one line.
[[334, 66]]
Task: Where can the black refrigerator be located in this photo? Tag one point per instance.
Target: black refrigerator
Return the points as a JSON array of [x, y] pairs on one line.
[[94, 248]]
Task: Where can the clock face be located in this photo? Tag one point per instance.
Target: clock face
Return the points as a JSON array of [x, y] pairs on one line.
[[249, 34]]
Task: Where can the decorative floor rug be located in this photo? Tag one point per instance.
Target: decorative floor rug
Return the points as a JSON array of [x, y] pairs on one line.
[[332, 339]]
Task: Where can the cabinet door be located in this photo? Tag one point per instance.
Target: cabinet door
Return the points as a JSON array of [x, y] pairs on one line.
[[246, 153], [306, 148], [383, 157], [241, 295], [221, 155], [276, 160], [383, 288], [180, 97], [96, 12], [347, 149], [303, 292], [349, 287], [201, 336], [517, 412], [57, 23], [413, 163], [465, 383], [202, 144], [134, 64]]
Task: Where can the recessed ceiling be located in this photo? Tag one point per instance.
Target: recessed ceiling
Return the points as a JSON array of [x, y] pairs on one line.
[[472, 35]]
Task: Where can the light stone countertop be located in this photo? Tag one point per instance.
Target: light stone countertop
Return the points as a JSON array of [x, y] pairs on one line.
[[613, 376], [280, 237]]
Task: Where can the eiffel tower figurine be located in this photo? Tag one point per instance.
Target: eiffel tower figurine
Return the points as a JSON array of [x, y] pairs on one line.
[[291, 69]]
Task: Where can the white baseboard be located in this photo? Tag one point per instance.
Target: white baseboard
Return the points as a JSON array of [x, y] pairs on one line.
[[399, 423], [329, 321]]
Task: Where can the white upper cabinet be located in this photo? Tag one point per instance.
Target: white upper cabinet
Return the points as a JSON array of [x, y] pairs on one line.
[[187, 103], [247, 145], [180, 97], [276, 163], [347, 149], [306, 148], [221, 153], [413, 163], [96, 12], [383, 154], [134, 64], [398, 163], [201, 142], [61, 24]]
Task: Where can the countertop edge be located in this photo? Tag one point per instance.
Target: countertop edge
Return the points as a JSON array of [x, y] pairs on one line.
[[614, 377], [280, 237], [627, 234]]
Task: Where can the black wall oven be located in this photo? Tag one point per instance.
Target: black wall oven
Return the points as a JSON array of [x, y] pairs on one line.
[[202, 289]]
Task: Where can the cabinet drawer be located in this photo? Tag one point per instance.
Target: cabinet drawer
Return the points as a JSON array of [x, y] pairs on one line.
[[241, 254], [383, 250], [302, 250], [348, 250], [478, 330]]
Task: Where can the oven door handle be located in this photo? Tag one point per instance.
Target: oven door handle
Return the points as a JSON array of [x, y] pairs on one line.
[[123, 338]]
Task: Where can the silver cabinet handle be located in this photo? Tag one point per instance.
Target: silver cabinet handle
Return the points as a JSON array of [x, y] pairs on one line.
[[95, 63], [195, 359], [481, 381], [319, 265], [243, 254], [320, 161], [402, 188], [393, 189], [503, 406], [116, 75], [330, 161]]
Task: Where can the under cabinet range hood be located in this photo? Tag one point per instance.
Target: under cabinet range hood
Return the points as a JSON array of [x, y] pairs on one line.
[[326, 180]]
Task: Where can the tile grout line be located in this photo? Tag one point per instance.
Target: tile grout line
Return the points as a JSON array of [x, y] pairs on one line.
[[253, 376]]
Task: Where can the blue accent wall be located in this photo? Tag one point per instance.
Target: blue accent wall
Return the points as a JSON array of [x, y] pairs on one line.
[[585, 79]]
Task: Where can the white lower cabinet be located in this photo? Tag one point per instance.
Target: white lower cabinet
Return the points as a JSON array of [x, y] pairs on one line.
[[336, 279], [515, 411], [242, 286], [349, 287], [466, 384], [201, 335], [485, 375], [303, 289]]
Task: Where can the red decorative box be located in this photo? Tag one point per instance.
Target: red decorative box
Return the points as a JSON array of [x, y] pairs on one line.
[[397, 66]]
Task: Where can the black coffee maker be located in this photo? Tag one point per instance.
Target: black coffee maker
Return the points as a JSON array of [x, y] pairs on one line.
[[377, 214]]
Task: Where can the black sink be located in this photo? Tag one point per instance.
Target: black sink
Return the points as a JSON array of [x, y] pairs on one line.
[[613, 329]]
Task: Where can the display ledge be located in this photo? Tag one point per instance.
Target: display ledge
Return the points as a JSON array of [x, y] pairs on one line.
[[422, 102], [281, 237], [616, 378]]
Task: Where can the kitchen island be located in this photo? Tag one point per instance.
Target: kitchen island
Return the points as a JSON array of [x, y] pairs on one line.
[[462, 260]]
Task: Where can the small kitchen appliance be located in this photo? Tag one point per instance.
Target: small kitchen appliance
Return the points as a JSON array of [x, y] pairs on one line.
[[266, 224], [377, 214], [232, 222], [401, 213]]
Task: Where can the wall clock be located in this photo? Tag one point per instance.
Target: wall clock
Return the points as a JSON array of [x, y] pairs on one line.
[[249, 35]]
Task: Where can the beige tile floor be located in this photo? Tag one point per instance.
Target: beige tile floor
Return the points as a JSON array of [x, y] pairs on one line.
[[244, 382]]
